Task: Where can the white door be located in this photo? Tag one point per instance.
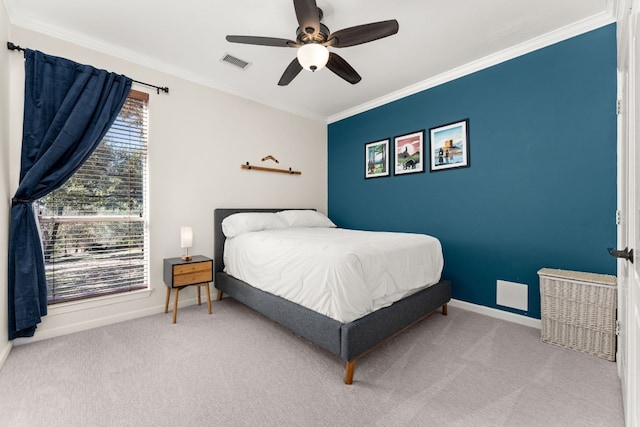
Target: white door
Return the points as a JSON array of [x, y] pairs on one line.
[[624, 198], [633, 301], [629, 205]]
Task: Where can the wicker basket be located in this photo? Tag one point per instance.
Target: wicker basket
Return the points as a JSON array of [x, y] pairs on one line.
[[579, 311]]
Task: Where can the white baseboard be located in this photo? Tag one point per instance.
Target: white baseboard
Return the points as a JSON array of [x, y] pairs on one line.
[[499, 314], [4, 353]]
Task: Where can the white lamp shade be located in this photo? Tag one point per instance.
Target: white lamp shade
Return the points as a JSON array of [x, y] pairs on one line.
[[186, 237], [313, 55]]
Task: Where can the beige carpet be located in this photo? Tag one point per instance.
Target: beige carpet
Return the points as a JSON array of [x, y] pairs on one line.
[[236, 368]]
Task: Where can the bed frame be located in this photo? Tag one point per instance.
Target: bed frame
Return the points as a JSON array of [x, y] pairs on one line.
[[349, 341]]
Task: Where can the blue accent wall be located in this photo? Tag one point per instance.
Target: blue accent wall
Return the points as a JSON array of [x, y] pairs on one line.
[[541, 187]]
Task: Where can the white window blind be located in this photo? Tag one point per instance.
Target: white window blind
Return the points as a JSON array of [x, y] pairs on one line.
[[94, 227]]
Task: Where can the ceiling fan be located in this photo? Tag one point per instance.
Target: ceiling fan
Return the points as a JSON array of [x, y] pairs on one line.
[[313, 38]]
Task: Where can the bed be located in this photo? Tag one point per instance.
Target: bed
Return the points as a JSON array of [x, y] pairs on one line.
[[349, 340]]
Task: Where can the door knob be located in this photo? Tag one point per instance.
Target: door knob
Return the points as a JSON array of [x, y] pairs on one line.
[[626, 253]]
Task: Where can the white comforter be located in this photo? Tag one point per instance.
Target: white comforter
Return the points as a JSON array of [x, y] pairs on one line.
[[343, 274]]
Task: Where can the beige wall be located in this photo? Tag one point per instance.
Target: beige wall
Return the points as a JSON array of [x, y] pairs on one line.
[[5, 195], [199, 137]]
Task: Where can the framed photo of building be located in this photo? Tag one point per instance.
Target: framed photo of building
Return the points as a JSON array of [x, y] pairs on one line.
[[449, 146], [409, 153], [376, 159]]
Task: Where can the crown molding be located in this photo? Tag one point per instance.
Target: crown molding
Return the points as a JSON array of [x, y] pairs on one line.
[[567, 32], [572, 30]]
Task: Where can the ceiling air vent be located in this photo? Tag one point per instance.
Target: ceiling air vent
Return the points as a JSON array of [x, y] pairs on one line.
[[235, 61]]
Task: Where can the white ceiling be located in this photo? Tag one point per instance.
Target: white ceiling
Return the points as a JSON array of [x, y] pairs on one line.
[[436, 40]]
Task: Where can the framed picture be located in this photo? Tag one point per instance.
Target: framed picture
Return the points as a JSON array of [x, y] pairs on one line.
[[409, 151], [449, 146], [376, 159]]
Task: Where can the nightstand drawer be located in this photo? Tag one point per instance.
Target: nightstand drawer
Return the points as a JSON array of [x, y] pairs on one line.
[[197, 272]]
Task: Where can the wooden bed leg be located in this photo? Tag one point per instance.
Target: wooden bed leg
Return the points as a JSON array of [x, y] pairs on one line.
[[444, 310], [348, 373], [219, 296]]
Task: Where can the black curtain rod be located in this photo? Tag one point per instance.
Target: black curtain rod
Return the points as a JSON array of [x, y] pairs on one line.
[[165, 89]]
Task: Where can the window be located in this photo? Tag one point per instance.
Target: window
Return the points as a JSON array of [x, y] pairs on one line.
[[94, 227]]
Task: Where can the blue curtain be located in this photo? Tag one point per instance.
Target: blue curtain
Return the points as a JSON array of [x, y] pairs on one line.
[[68, 108]]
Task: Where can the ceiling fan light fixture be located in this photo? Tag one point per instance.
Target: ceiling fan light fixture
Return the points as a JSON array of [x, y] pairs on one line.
[[312, 39], [313, 56]]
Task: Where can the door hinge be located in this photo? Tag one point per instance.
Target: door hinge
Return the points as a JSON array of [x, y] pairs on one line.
[[619, 106], [617, 328], [618, 217]]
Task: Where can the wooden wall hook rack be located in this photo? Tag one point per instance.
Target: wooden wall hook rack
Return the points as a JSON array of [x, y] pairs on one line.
[[261, 168]]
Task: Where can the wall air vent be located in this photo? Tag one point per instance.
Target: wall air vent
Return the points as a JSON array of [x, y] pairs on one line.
[[235, 61]]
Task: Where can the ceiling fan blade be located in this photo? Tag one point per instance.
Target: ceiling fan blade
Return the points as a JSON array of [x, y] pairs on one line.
[[363, 33], [262, 41], [308, 16], [290, 73], [342, 68]]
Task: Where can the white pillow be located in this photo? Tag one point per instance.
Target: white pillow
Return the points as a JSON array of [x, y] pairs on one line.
[[305, 218], [246, 222]]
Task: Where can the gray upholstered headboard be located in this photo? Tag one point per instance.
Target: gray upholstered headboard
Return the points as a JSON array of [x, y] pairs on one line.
[[218, 235]]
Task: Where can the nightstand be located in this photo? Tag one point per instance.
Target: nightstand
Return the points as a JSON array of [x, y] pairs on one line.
[[178, 274]]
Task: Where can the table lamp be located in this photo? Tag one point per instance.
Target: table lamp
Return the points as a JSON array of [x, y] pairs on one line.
[[186, 241]]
